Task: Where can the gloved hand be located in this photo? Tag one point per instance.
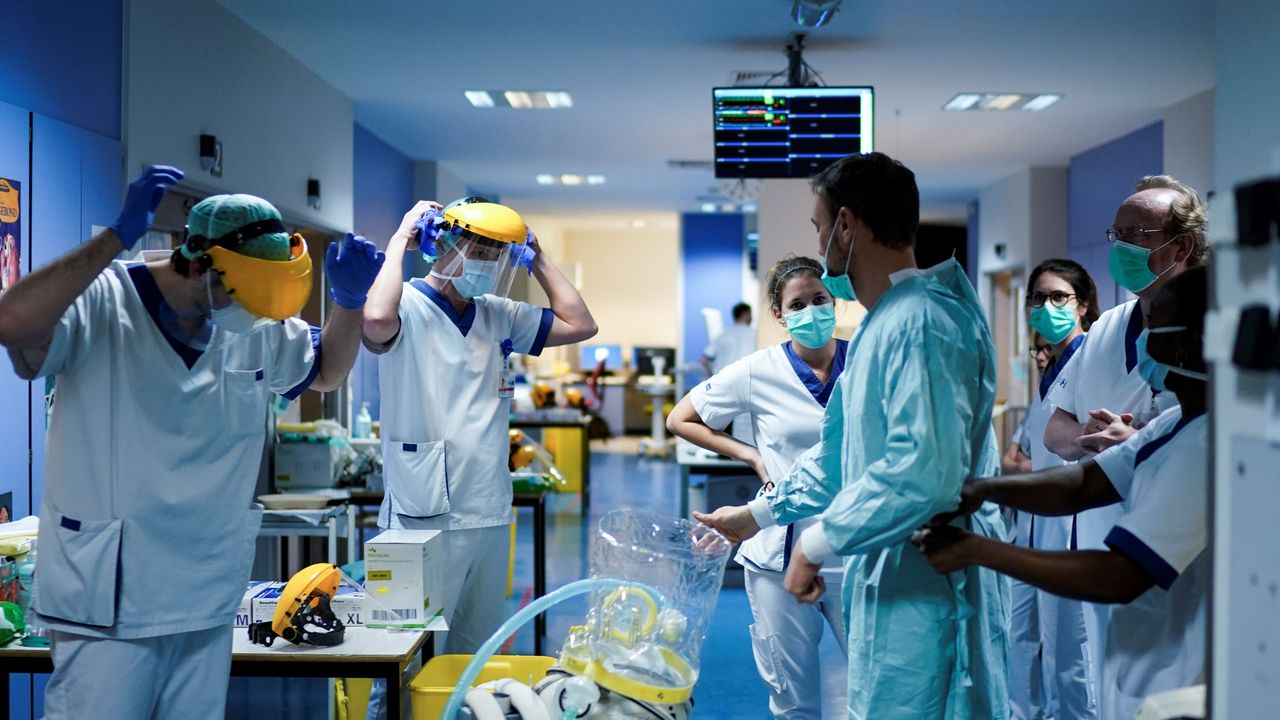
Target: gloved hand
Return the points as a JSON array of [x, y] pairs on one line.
[[140, 202], [351, 269], [429, 232]]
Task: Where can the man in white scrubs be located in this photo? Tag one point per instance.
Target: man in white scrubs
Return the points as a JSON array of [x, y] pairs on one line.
[[1154, 569], [164, 372], [442, 342], [1100, 397], [733, 343]]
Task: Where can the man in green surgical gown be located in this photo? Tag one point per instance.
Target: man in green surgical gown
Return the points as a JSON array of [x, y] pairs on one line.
[[908, 423]]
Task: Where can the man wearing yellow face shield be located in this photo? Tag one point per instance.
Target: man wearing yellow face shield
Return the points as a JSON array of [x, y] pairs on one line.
[[164, 373]]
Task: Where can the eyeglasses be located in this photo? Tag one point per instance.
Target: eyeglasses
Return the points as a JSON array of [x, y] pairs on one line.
[[1130, 235], [1057, 297], [1036, 350]]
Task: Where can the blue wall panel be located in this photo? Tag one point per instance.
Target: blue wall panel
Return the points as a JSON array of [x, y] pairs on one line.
[[383, 193], [712, 248], [64, 60], [1098, 180]]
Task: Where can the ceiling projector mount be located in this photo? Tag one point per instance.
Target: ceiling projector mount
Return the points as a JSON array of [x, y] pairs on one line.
[[799, 72]]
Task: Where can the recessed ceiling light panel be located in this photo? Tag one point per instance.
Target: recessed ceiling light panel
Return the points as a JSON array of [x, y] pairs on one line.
[[521, 99], [1001, 101], [480, 98]]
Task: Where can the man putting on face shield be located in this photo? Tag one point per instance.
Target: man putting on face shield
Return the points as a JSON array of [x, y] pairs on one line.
[[908, 422], [164, 372], [443, 343]]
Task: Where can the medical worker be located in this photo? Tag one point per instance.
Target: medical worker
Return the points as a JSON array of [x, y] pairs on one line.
[[733, 343], [1154, 570], [164, 373], [781, 391], [908, 422], [1099, 397], [1017, 457], [1048, 668], [443, 342]]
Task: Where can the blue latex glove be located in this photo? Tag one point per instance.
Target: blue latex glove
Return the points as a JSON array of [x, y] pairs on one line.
[[429, 234], [140, 202], [351, 267], [528, 252]]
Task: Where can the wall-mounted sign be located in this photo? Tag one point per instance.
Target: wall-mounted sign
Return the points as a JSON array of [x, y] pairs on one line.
[[10, 233]]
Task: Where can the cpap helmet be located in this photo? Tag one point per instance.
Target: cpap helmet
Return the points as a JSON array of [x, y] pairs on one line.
[[243, 239], [303, 613], [476, 245]]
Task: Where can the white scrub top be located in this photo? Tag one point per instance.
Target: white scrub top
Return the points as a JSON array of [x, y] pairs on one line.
[[147, 525], [731, 345], [1157, 642], [784, 401], [444, 427]]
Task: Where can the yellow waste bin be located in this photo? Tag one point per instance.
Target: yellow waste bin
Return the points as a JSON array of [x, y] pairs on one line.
[[429, 691]]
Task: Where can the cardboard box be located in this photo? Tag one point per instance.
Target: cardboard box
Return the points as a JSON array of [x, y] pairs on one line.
[[348, 604], [404, 573], [244, 614], [307, 465]]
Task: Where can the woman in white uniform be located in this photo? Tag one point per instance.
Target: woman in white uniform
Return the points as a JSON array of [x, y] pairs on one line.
[[783, 390], [1048, 666]]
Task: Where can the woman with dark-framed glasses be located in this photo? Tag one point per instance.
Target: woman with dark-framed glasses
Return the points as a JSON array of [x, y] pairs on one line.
[[1049, 658]]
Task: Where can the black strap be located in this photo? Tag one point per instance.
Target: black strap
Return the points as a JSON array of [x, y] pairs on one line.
[[237, 237]]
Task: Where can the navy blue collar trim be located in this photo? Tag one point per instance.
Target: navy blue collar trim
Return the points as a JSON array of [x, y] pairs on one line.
[[1146, 451], [153, 300], [1131, 333], [463, 321], [820, 391], [1046, 380]]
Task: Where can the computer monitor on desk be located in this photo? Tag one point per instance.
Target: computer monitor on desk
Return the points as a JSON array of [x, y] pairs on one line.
[[590, 355], [644, 359]]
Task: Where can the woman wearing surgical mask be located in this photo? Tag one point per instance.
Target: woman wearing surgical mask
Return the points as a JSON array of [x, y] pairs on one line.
[[1048, 667], [783, 389]]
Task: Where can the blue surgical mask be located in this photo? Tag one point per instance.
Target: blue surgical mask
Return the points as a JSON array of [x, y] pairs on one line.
[[1130, 265], [1154, 372], [478, 277], [813, 326], [840, 286]]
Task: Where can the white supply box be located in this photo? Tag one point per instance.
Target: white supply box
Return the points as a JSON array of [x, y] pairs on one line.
[[348, 604], [244, 614], [404, 573], [307, 464]]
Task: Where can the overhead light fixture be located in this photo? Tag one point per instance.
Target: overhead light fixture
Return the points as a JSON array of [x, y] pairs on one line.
[[708, 207], [520, 99], [1001, 101], [569, 179], [545, 179], [595, 179], [813, 13], [1040, 102], [480, 98]]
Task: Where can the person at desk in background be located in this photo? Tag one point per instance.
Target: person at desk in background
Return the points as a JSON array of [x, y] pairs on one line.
[[441, 342], [907, 423], [1049, 673], [781, 391], [164, 373], [1017, 457], [733, 343], [1100, 397], [1156, 638]]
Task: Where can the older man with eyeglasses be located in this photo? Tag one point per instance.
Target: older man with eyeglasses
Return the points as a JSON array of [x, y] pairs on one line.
[[1100, 396]]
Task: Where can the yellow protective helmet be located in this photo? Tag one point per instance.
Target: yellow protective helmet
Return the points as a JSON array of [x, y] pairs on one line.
[[274, 289], [303, 613], [488, 220], [544, 396], [575, 399]]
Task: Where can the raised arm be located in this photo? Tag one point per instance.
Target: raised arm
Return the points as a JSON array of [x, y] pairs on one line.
[[351, 267], [573, 322], [30, 310], [382, 309]]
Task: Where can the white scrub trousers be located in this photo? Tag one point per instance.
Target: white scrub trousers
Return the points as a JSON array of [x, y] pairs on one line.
[[474, 596], [182, 676], [784, 640]]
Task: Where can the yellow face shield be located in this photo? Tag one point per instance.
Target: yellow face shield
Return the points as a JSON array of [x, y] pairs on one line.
[[274, 289]]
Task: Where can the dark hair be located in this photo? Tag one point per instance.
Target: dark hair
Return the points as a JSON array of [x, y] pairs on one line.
[[1078, 278], [1189, 292], [785, 268], [740, 311], [879, 191]]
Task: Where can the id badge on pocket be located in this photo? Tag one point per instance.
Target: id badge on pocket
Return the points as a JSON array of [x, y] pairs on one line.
[[507, 381]]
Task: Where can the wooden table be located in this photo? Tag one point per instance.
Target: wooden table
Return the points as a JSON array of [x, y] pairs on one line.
[[364, 653]]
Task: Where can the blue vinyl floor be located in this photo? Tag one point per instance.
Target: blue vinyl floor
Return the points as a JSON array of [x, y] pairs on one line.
[[729, 686]]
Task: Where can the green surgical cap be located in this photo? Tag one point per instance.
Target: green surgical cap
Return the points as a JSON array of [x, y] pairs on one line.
[[218, 215]]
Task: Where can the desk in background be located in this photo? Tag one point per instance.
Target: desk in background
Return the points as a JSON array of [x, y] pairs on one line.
[[694, 460], [364, 653], [567, 441]]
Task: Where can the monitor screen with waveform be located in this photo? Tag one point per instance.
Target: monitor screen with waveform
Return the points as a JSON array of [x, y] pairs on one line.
[[781, 132]]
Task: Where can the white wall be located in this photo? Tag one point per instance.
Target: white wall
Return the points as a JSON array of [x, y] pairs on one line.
[[1188, 141], [192, 67], [1245, 635]]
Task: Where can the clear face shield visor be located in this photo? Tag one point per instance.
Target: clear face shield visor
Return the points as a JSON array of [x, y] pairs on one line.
[[477, 265]]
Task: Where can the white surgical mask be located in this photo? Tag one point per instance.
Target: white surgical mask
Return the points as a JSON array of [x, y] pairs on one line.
[[233, 318]]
